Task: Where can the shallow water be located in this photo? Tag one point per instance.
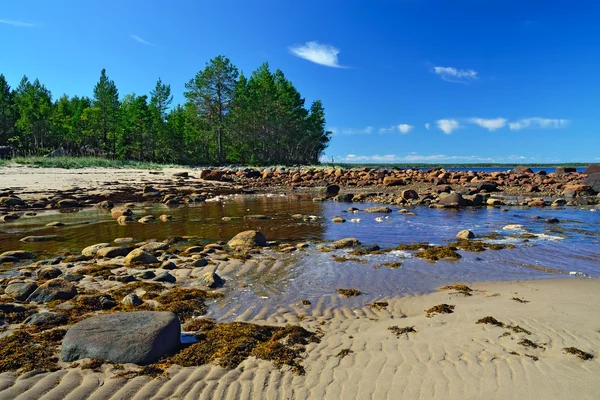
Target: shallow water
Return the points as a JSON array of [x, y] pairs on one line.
[[571, 245]]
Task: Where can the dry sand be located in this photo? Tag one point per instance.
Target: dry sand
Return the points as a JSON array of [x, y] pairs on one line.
[[450, 356]]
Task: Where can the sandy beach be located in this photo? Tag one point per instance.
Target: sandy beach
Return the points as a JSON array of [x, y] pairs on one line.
[[449, 356]]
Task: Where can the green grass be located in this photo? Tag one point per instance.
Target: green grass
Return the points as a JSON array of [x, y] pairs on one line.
[[82, 162]]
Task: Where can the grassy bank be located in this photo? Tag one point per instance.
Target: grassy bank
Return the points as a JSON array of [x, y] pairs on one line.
[[81, 162]]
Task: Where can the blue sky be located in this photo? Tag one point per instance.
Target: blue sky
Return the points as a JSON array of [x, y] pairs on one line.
[[401, 81]]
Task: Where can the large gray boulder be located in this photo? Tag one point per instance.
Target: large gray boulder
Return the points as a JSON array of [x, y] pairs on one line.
[[592, 169], [454, 200], [140, 337], [593, 181], [20, 290]]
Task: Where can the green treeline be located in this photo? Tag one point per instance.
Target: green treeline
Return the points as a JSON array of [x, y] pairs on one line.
[[227, 118]]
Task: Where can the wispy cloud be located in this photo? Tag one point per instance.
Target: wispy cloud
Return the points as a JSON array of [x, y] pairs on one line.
[[448, 125], [427, 126], [140, 40], [451, 74], [322, 54], [20, 24], [351, 131], [414, 157], [402, 128], [537, 122], [489, 124]]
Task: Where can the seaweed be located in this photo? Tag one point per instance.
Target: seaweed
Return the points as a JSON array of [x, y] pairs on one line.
[[519, 300], [305, 302], [25, 352], [228, 344], [343, 353], [103, 271], [490, 321], [529, 343], [344, 259], [152, 289], [402, 331], [198, 325], [478, 246], [94, 364], [579, 353], [440, 309], [380, 305], [436, 253], [349, 292], [392, 265], [186, 303], [518, 329], [14, 313], [153, 371], [534, 358], [462, 289]]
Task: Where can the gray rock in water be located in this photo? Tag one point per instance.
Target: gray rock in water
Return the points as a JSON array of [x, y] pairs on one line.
[[330, 191], [20, 254], [55, 289], [345, 243], [379, 209], [46, 318], [141, 337], [454, 200], [465, 234], [248, 239], [20, 290]]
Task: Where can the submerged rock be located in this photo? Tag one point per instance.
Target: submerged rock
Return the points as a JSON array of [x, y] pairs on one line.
[[140, 337]]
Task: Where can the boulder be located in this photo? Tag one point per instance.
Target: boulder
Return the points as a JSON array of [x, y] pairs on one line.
[[132, 299], [54, 289], [166, 218], [140, 337], [248, 239], [165, 277], [68, 203], [11, 202], [49, 273], [409, 195], [112, 252], [211, 280], [345, 243], [522, 169], [91, 251], [125, 219], [10, 217], [591, 169], [155, 246], [330, 191], [46, 318], [391, 181], [338, 220], [8, 259], [344, 198], [139, 256], [118, 212], [147, 219], [593, 181], [454, 200], [487, 186], [565, 170], [20, 254], [200, 263], [20, 290], [211, 175], [465, 234]]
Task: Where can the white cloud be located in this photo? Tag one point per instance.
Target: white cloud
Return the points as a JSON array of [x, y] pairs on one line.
[[405, 128], [20, 24], [448, 125], [537, 122], [451, 74], [387, 130], [425, 158], [352, 158], [351, 131], [140, 40], [427, 126], [322, 54], [489, 124]]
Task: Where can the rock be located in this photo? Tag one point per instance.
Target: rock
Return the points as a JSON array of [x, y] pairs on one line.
[[165, 277], [11, 202], [380, 209], [119, 212], [112, 252], [454, 200], [465, 234], [20, 290], [494, 202], [125, 240], [344, 198], [200, 263], [73, 277], [593, 181], [166, 218], [155, 246], [20, 254], [591, 169], [55, 224], [255, 217], [106, 204], [487, 186], [149, 189], [168, 265], [132, 299], [521, 169], [513, 227], [181, 174], [8, 259], [248, 239], [552, 220], [125, 219], [330, 191], [145, 275], [211, 280], [91, 251], [409, 195], [46, 319], [338, 220], [141, 337], [147, 219], [139, 256], [391, 181], [55, 289], [211, 175], [49, 273], [10, 217], [38, 239], [345, 243], [68, 203], [565, 170]]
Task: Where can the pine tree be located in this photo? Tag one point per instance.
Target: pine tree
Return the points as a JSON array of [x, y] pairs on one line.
[[106, 99], [7, 112]]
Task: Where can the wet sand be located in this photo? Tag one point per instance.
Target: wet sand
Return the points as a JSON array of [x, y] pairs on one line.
[[449, 357]]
